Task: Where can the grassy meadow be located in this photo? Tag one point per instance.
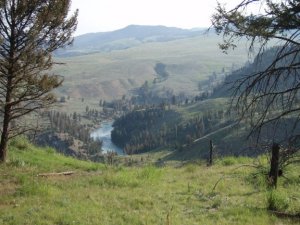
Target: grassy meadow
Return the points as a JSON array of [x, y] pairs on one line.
[[175, 194]]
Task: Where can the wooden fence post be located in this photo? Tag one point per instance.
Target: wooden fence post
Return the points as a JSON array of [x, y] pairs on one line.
[[210, 160]]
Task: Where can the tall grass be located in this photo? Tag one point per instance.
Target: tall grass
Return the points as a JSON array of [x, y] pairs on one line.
[[110, 195]]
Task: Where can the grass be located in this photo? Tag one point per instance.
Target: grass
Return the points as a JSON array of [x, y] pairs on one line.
[[24, 154], [100, 194]]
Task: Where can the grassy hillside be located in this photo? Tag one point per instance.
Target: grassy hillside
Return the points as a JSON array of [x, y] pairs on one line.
[[99, 194], [110, 75]]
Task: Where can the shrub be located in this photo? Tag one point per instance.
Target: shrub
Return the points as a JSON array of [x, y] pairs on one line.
[[277, 201], [21, 143]]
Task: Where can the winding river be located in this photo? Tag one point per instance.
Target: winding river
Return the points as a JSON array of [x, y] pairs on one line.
[[104, 133]]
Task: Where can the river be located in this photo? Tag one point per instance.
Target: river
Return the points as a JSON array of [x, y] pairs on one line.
[[104, 133]]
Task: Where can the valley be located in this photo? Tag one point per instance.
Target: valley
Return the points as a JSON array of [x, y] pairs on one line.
[[110, 75], [149, 124], [168, 66], [173, 89], [154, 119]]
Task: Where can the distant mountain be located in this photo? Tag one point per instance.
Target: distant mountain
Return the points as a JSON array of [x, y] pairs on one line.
[[127, 37]]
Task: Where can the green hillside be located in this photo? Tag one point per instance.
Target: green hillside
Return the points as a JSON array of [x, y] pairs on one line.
[[175, 194], [109, 75]]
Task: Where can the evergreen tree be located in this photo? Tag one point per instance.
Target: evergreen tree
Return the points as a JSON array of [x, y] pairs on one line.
[[30, 30]]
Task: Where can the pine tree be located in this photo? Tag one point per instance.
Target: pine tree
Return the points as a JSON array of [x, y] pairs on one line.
[[30, 31]]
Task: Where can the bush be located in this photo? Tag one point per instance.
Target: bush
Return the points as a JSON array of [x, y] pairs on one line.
[[277, 201], [228, 161], [20, 143]]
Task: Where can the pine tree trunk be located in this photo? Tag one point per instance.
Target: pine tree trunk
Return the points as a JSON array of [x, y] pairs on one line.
[[3, 151], [5, 126], [273, 174], [4, 138]]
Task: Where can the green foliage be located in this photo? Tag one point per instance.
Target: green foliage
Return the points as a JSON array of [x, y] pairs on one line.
[[26, 57], [258, 179], [229, 161], [20, 143], [161, 71], [146, 133], [166, 126], [277, 200]]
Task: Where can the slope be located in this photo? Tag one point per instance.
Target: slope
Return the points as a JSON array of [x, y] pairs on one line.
[[136, 195]]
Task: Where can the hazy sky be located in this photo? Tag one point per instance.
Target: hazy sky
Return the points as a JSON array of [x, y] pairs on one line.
[[107, 15]]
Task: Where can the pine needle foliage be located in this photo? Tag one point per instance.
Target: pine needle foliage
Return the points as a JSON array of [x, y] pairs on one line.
[[30, 31]]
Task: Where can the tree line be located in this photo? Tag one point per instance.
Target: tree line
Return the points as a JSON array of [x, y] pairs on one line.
[[158, 127], [63, 123]]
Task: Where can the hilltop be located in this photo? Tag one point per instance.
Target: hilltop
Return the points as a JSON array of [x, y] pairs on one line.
[[128, 37]]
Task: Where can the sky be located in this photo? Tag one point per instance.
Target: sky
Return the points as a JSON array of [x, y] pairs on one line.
[[108, 15]]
